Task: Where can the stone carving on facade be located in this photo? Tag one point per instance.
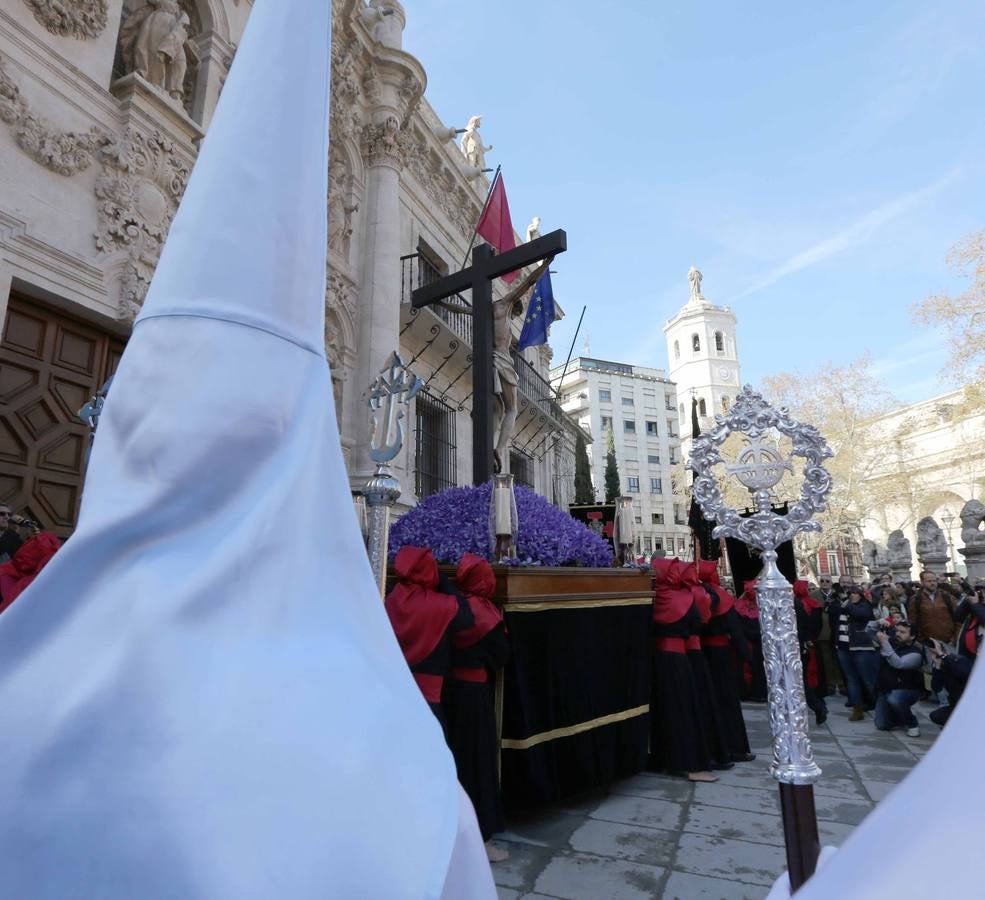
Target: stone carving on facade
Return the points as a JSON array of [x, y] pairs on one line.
[[71, 18], [340, 206], [138, 192], [63, 152], [972, 516], [533, 229], [471, 145], [155, 43], [385, 144]]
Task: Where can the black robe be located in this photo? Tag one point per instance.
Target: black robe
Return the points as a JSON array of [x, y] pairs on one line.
[[470, 718], [724, 680], [678, 743]]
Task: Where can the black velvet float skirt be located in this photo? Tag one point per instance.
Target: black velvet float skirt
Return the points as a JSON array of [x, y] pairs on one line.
[[712, 721]]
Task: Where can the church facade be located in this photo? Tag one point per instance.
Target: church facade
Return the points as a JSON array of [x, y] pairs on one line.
[[103, 105]]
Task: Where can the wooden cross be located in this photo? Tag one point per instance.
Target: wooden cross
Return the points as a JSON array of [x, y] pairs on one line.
[[478, 279]]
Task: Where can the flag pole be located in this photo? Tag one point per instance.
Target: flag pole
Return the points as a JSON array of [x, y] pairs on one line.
[[492, 184], [570, 351]]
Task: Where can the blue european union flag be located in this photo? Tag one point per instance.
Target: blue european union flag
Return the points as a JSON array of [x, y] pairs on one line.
[[540, 314]]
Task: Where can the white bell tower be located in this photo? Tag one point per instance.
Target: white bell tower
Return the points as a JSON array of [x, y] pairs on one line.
[[703, 359]]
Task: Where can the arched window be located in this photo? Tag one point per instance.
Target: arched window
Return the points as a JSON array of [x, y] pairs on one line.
[[702, 407], [695, 343], [677, 349], [719, 342], [724, 404]]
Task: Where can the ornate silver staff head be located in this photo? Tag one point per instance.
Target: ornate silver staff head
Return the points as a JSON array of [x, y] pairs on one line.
[[760, 465]]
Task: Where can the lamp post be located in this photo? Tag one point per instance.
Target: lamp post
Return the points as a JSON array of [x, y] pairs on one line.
[[759, 467]]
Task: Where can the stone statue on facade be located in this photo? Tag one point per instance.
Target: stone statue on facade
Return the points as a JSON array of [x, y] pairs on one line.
[[931, 546], [876, 558], [533, 229], [471, 146], [694, 279], [339, 210], [900, 554], [154, 41]]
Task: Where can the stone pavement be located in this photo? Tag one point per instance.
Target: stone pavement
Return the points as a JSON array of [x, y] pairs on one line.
[[652, 836]]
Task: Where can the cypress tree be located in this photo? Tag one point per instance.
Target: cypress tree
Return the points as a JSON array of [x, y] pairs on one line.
[[613, 488], [584, 491]]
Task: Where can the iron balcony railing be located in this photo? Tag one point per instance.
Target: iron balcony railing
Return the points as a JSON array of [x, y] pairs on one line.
[[416, 270]]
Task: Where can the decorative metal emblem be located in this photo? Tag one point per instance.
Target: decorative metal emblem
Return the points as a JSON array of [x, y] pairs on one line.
[[388, 395], [760, 466], [90, 413]]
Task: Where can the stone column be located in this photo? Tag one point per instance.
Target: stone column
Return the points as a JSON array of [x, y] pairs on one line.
[[974, 560], [216, 56]]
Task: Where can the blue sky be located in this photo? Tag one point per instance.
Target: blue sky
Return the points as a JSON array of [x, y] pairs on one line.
[[815, 161]]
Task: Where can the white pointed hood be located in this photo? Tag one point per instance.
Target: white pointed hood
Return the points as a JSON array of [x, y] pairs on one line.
[[201, 696]]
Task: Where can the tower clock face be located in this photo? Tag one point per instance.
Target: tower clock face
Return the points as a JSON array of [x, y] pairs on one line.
[[725, 374]]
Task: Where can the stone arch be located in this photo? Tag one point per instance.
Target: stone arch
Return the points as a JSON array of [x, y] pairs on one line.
[[719, 342], [696, 343]]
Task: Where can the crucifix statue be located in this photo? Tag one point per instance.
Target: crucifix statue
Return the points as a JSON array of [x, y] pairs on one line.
[[494, 376]]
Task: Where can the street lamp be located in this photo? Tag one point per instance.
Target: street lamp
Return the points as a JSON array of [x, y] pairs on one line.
[[947, 517]]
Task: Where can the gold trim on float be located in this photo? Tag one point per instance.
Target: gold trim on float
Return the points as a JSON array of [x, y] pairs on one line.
[[515, 606], [544, 736]]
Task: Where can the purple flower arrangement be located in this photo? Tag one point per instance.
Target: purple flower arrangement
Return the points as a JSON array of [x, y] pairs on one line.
[[456, 521]]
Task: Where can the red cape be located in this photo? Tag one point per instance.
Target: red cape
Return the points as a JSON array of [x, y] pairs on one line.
[[699, 595], [419, 614], [746, 604], [672, 598], [17, 573], [476, 579], [708, 573]]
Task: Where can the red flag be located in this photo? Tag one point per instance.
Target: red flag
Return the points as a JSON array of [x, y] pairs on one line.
[[495, 225]]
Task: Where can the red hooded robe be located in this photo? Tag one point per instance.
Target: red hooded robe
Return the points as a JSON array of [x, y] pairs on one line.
[[17, 573]]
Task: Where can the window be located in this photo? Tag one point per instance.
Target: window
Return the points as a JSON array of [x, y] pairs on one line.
[[658, 543], [605, 396], [656, 518], [671, 429], [651, 429], [634, 484], [652, 460], [702, 407], [681, 546], [629, 426], [435, 456], [695, 343], [833, 568], [678, 514], [639, 520], [724, 404], [656, 486], [647, 545], [673, 456], [677, 349], [669, 402], [627, 401], [606, 422], [720, 343]]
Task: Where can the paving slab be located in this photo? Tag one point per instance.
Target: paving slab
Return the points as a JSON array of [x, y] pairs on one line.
[[877, 790], [687, 886], [742, 861], [659, 787], [652, 846], [640, 811], [573, 877], [520, 871]]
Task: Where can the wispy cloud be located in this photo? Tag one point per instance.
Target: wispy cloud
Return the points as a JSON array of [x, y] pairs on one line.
[[852, 236]]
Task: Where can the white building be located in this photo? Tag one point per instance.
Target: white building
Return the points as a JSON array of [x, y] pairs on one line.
[[98, 135], [640, 405], [934, 462], [703, 359]]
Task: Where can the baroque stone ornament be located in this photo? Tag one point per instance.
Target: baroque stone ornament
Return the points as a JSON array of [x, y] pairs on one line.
[[760, 466], [71, 18], [143, 180], [63, 152], [384, 144]]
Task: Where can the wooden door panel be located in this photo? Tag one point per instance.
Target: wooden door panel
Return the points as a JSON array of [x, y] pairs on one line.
[[50, 365]]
